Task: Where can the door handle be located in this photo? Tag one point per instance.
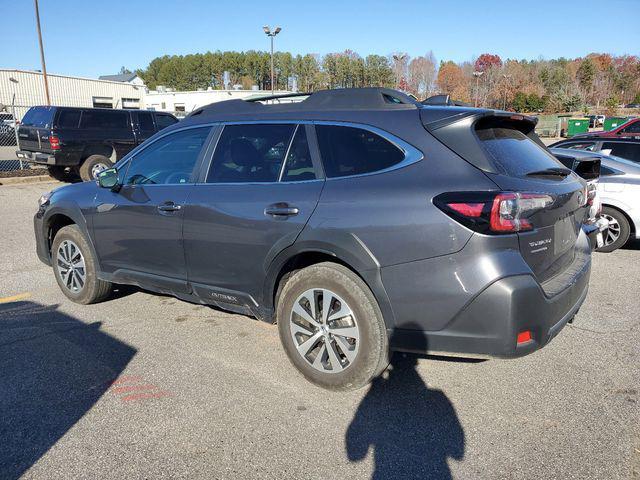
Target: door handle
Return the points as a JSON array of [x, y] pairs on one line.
[[281, 210], [169, 207]]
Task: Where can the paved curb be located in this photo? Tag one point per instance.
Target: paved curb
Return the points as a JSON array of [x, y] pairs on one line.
[[22, 180]]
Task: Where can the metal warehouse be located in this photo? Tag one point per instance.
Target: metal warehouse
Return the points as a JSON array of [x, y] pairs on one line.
[[28, 89]]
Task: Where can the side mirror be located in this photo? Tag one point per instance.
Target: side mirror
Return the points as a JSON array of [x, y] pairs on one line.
[[108, 178]]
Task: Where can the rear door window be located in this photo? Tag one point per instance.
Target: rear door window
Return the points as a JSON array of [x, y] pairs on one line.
[[513, 153], [68, 118], [630, 151], [40, 117], [350, 151], [145, 122], [250, 153], [104, 119]]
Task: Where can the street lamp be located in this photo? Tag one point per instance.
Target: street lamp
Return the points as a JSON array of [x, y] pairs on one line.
[[271, 34], [506, 78], [477, 75], [399, 59]]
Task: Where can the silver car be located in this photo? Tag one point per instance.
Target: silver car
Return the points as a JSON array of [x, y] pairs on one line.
[[619, 194]]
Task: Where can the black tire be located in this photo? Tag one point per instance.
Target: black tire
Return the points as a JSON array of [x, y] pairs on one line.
[[59, 173], [90, 163], [624, 229], [93, 289], [372, 356]]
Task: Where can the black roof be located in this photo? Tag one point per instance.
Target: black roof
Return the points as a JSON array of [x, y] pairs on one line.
[[348, 104]]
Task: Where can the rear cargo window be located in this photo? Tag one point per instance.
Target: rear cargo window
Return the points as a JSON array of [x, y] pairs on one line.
[[38, 117], [513, 153], [104, 119], [68, 119], [350, 151]]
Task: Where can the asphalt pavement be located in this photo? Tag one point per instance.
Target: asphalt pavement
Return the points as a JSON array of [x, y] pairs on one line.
[[147, 386]]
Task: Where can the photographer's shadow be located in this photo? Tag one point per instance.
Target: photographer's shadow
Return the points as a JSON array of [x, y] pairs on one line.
[[54, 370], [411, 429]]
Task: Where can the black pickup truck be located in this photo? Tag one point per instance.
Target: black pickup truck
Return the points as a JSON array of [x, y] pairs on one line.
[[84, 140]]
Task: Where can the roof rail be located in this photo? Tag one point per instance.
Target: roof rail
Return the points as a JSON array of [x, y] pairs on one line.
[[371, 98]]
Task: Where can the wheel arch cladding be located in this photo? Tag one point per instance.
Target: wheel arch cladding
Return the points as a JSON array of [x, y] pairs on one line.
[[302, 254], [62, 216]]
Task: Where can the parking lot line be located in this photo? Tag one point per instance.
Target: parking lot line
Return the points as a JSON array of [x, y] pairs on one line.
[[15, 298]]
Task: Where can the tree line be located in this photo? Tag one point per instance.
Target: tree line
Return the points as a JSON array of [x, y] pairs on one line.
[[597, 80]]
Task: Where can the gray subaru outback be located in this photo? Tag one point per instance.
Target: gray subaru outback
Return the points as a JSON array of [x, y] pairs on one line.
[[359, 220]]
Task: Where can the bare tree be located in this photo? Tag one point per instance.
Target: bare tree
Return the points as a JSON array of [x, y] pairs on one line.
[[422, 75]]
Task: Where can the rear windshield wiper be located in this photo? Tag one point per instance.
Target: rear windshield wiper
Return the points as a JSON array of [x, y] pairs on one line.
[[551, 172]]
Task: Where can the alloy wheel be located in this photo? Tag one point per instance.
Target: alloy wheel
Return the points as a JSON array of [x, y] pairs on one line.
[[614, 230], [96, 169], [324, 330], [71, 266]]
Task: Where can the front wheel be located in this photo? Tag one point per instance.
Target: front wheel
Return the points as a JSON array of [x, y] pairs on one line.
[[75, 267], [331, 327], [619, 230]]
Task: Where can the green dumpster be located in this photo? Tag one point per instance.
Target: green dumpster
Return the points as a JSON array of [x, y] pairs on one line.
[[613, 122], [576, 126]]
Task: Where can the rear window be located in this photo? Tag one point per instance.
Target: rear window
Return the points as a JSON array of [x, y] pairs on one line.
[[38, 117], [630, 151], [103, 119], [513, 153]]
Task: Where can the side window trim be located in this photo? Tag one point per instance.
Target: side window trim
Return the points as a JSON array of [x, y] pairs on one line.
[[286, 154], [411, 154], [195, 174]]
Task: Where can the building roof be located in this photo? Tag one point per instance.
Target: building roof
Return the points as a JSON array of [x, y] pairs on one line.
[[122, 77]]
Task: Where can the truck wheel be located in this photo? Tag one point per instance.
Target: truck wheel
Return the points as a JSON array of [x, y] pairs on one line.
[[75, 267], [331, 327], [619, 230], [59, 173], [92, 166]]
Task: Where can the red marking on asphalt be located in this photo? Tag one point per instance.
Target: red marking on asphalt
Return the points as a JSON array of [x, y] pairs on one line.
[[132, 388], [125, 379], [144, 396]]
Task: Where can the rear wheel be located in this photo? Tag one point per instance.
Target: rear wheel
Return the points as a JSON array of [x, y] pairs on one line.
[[331, 327], [619, 230], [75, 267], [92, 166]]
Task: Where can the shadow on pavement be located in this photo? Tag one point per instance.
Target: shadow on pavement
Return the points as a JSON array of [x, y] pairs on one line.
[[411, 429], [54, 369]]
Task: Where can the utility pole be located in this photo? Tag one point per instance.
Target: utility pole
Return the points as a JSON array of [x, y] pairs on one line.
[[477, 74], [271, 34], [44, 66]]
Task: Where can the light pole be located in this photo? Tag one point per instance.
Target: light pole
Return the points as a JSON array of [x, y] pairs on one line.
[[44, 66], [271, 34], [506, 78], [399, 59], [477, 74]]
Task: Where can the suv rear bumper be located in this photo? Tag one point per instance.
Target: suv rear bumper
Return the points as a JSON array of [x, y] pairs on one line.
[[36, 157], [488, 325]]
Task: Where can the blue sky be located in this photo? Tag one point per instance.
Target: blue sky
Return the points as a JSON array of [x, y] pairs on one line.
[[91, 38]]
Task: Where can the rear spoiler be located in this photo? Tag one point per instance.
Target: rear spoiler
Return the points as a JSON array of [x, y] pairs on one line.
[[587, 168], [455, 127]]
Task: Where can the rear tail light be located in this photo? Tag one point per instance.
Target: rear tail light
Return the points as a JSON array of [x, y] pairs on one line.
[[55, 142], [493, 212]]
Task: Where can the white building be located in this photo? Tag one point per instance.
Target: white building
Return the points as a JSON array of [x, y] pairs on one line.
[[167, 100], [110, 91], [28, 88]]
